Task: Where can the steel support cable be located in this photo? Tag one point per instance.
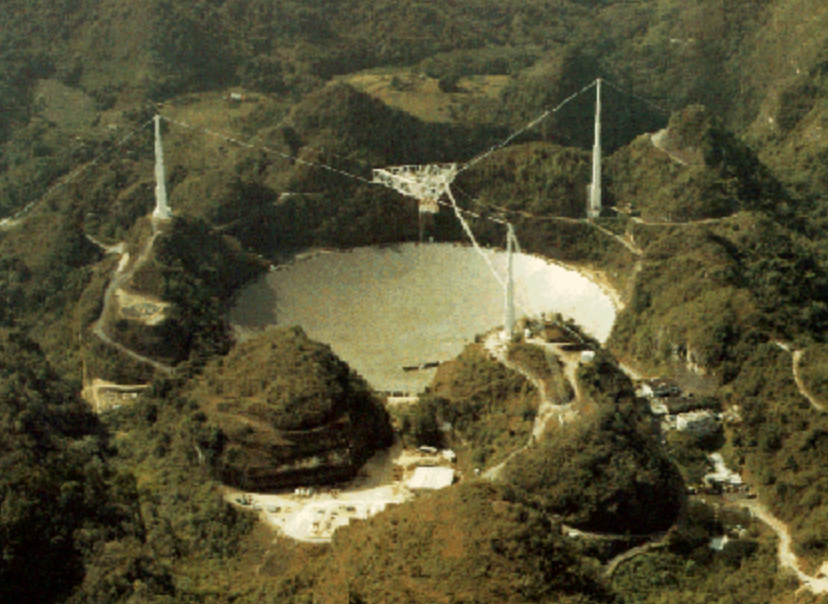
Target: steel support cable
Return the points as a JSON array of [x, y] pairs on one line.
[[74, 174], [469, 232], [473, 214], [518, 249], [247, 145], [637, 97], [529, 126], [459, 213]]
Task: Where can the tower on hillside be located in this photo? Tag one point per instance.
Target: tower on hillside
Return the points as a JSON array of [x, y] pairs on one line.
[[162, 208], [594, 201], [509, 306]]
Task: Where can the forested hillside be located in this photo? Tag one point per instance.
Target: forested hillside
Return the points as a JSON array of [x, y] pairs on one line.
[[275, 113]]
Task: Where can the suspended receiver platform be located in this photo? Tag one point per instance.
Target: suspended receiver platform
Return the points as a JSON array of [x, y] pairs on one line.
[[425, 183]]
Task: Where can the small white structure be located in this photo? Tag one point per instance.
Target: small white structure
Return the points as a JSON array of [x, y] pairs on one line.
[[732, 415], [718, 543], [587, 356], [721, 474], [449, 455], [431, 479], [658, 388]]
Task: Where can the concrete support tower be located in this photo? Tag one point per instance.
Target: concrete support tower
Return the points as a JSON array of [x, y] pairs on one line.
[[162, 208], [594, 202], [509, 310]]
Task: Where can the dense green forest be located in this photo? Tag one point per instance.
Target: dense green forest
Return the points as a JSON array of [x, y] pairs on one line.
[[716, 171], [605, 473]]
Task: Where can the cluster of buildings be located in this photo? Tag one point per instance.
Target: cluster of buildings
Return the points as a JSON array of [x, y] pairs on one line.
[[685, 413], [676, 411]]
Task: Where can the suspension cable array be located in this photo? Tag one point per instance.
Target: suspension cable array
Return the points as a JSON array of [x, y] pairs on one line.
[[10, 221], [428, 184]]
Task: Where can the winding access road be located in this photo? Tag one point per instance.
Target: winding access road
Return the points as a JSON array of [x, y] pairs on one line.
[[548, 408], [796, 361], [800, 383], [122, 275], [787, 558]]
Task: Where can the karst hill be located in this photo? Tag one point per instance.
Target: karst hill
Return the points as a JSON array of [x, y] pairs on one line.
[[291, 414]]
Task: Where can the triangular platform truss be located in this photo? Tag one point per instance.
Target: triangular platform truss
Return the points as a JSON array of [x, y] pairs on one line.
[[425, 183]]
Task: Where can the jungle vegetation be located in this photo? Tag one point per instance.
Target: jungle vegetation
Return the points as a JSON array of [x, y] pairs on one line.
[[724, 214]]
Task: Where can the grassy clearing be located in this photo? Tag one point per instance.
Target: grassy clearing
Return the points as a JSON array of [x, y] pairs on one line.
[[64, 106], [421, 96]]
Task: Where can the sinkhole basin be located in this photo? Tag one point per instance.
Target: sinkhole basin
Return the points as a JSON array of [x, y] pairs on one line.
[[384, 308]]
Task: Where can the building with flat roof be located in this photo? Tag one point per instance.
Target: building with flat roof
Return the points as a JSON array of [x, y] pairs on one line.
[[431, 479]]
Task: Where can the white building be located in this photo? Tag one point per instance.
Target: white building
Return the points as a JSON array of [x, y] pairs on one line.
[[431, 479], [721, 474], [658, 388], [449, 455]]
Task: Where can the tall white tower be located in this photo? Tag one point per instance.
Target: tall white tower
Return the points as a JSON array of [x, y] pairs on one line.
[[509, 310], [594, 202], [162, 208]]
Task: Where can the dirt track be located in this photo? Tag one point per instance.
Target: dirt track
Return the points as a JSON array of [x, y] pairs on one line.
[[787, 558], [800, 384], [122, 275], [548, 410]]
